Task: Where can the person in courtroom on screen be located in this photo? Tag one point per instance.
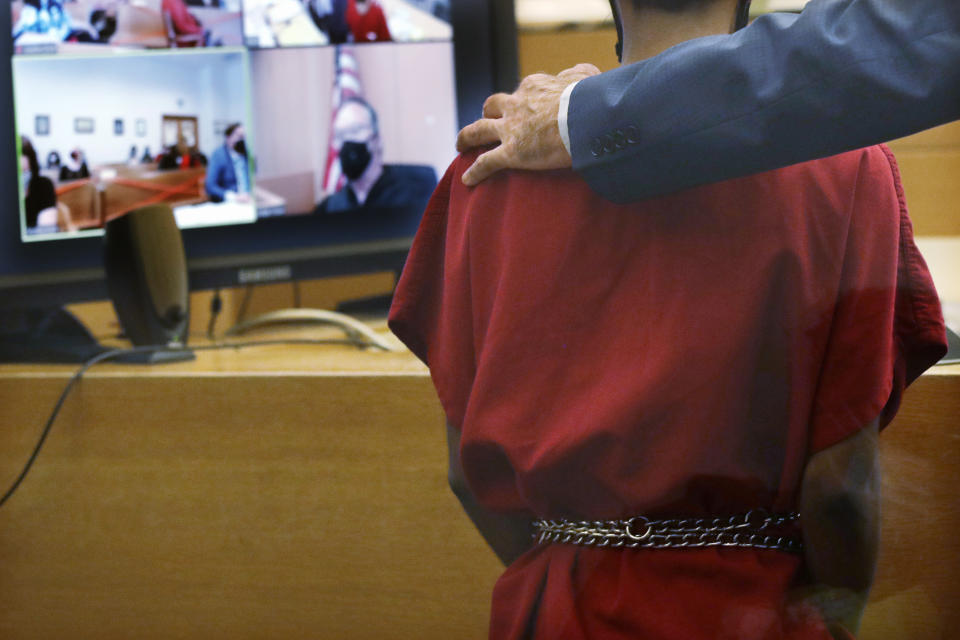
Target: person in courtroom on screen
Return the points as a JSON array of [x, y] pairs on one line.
[[43, 213], [371, 183], [330, 16], [367, 21], [189, 31], [53, 160], [682, 396], [842, 74], [42, 20], [75, 167], [228, 172]]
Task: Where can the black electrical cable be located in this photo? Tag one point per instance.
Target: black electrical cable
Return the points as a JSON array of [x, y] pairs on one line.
[[216, 304], [244, 303], [107, 355], [118, 353]]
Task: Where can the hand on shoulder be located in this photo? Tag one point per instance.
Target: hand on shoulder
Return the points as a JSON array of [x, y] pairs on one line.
[[524, 123]]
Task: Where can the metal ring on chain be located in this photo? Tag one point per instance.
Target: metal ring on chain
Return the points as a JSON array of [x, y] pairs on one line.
[[756, 529]]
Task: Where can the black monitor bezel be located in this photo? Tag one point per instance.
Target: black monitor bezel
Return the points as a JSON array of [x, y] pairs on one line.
[[69, 270]]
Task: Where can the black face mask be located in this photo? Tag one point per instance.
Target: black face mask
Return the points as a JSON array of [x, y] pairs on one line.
[[354, 159], [240, 146]]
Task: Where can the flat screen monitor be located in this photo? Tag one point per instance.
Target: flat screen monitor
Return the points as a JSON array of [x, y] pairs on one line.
[[292, 138]]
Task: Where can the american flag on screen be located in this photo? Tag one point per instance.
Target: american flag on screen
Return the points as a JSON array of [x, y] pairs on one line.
[[346, 84]]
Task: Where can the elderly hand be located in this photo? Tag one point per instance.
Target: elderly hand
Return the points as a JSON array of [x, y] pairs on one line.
[[524, 123]]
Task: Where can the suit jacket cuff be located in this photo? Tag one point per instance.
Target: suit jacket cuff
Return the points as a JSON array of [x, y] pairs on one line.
[[562, 116]]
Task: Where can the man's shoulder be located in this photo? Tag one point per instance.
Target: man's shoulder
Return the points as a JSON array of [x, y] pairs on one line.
[[406, 182], [872, 167], [516, 179], [220, 155], [336, 202], [410, 172], [852, 161], [839, 173]]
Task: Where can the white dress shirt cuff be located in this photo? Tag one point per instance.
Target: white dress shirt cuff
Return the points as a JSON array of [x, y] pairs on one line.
[[562, 116]]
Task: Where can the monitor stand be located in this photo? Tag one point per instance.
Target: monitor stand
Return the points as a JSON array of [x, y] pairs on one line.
[[354, 329], [45, 335]]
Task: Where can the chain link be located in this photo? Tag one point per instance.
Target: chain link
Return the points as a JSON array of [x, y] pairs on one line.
[[755, 529]]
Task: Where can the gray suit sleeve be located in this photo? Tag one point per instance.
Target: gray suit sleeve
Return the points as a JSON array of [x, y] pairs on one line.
[[843, 74]]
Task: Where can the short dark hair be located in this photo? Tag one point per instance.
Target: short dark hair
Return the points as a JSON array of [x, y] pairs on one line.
[[230, 129]]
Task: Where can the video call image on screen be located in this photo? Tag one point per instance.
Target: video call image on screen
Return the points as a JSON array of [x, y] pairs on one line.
[[86, 26], [371, 133], [136, 130], [354, 134], [297, 23]]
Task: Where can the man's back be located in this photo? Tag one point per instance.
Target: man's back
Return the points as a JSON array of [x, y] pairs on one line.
[[680, 356]]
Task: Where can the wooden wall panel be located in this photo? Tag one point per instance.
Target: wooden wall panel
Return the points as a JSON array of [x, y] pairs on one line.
[[916, 589], [931, 182], [238, 507], [943, 138], [555, 50]]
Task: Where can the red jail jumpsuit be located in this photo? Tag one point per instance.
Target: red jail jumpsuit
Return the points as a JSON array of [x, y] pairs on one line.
[[681, 356]]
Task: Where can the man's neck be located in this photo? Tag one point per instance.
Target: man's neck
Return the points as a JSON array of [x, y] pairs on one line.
[[648, 32]]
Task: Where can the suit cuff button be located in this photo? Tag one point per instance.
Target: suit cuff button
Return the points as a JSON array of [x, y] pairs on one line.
[[596, 148], [609, 143], [619, 139]]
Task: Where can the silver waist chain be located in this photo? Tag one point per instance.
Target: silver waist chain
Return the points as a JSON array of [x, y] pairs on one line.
[[756, 529]]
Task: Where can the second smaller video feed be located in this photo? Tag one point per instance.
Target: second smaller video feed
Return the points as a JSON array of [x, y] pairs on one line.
[[137, 130], [301, 23], [362, 145], [88, 26]]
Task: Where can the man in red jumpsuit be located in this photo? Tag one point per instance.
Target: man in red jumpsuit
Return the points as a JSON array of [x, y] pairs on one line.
[[681, 396]]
